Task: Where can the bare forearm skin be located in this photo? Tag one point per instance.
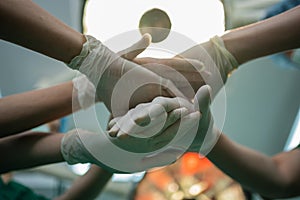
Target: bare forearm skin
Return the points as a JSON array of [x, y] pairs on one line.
[[30, 149], [21, 112], [276, 34], [273, 177], [88, 186], [26, 24]]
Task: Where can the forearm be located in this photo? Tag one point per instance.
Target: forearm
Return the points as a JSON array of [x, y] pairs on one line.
[[252, 169], [88, 186], [24, 111], [273, 35], [29, 149], [25, 23]]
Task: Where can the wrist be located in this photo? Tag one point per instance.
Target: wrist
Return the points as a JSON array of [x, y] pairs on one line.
[[77, 60], [222, 58], [234, 46], [84, 91], [209, 141]]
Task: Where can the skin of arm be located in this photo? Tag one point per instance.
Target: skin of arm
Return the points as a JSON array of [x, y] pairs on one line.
[[29, 149], [39, 30], [275, 34], [33, 108], [38, 148], [272, 177], [87, 186], [277, 176]]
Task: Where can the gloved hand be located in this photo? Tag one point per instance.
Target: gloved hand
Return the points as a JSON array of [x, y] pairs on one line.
[[142, 126], [188, 134], [188, 75], [159, 141], [206, 63], [224, 60], [84, 91], [124, 153], [119, 83], [203, 134], [207, 133]]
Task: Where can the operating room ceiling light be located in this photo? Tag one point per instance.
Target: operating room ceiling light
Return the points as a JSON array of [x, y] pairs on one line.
[[197, 20]]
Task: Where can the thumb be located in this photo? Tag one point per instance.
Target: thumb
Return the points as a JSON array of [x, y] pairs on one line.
[[203, 99], [133, 51]]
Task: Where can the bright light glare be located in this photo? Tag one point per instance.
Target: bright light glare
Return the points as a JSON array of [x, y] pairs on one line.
[[80, 169], [294, 139], [198, 20]]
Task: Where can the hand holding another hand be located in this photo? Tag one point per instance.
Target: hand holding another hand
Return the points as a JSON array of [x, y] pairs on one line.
[[119, 83]]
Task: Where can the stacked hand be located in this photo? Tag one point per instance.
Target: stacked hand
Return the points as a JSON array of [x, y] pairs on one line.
[[206, 63], [159, 131], [175, 136], [119, 83], [80, 146]]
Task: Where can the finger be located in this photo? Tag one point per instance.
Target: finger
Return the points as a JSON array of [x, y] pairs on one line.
[[128, 123], [169, 89], [180, 127], [137, 48], [174, 115], [158, 117], [178, 64], [113, 132], [170, 104], [143, 113], [199, 66], [202, 99], [160, 123], [167, 103], [112, 122], [143, 121]]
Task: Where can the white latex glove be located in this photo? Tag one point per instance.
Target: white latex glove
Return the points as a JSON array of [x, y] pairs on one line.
[[192, 134], [120, 84], [215, 57], [224, 60], [207, 133], [84, 91], [145, 123], [164, 134], [208, 63], [126, 153], [202, 135]]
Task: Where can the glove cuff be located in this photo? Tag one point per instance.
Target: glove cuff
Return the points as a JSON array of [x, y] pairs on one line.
[[86, 91], [87, 47], [72, 149], [210, 140], [224, 59]]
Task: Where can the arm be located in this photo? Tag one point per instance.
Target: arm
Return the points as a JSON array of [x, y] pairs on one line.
[[37, 107], [276, 34], [32, 27], [88, 186], [39, 148], [273, 177], [29, 149], [238, 46]]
